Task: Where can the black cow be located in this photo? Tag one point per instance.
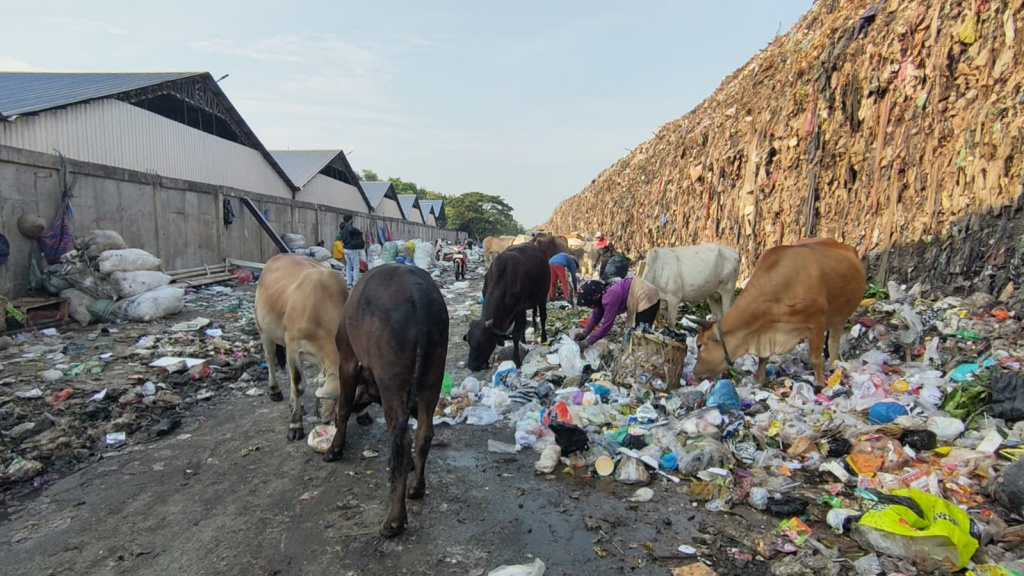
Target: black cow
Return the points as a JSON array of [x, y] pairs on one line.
[[393, 345], [516, 281]]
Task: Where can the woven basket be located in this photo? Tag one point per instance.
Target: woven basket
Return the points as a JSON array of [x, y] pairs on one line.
[[646, 359]]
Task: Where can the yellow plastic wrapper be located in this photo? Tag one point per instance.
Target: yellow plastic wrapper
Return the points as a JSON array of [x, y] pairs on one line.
[[968, 31], [943, 532], [992, 570]]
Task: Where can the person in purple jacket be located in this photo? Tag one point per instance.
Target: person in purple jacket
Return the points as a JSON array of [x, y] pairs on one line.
[[638, 298]]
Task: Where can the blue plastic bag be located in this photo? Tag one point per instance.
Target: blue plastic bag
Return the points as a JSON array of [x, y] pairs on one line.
[[723, 395], [669, 462], [885, 412]]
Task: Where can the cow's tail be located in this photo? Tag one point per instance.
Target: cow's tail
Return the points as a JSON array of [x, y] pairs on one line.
[[281, 355], [402, 461]]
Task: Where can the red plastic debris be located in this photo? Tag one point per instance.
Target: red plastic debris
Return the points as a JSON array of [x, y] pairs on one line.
[[59, 398]]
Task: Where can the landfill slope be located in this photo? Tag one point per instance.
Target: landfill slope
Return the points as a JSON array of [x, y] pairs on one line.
[[903, 142]]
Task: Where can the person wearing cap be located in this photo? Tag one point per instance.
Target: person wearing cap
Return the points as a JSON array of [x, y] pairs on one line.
[[636, 297]]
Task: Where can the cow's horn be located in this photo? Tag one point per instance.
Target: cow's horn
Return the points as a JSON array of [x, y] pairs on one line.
[[704, 324]]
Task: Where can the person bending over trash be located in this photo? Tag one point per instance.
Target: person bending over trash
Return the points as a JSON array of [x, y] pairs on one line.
[[638, 298], [560, 263]]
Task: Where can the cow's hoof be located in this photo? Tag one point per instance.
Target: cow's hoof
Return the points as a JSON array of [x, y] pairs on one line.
[[296, 433], [332, 456], [391, 529], [417, 492], [364, 419], [276, 396]]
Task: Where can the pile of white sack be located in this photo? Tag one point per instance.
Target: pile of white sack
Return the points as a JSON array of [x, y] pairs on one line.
[[105, 280]]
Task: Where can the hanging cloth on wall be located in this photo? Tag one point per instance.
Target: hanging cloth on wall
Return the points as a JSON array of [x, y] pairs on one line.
[[58, 239]]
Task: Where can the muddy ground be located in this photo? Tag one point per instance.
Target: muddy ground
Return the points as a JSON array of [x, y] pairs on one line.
[[227, 493]]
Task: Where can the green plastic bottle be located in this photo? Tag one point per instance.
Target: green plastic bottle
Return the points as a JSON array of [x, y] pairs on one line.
[[446, 384]]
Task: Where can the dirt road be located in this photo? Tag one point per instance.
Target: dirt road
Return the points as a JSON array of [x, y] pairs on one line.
[[229, 494]]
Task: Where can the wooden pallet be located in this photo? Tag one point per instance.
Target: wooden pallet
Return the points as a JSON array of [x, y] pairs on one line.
[[42, 310]]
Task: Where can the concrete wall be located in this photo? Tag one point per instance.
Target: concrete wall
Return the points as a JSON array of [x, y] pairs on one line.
[[114, 133], [389, 208], [330, 192], [177, 220]]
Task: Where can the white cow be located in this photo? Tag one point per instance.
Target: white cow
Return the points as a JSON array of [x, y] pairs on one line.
[[691, 274]]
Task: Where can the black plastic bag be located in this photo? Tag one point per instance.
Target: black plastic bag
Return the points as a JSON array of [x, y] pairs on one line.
[[570, 438], [787, 506], [839, 447], [919, 439], [616, 267], [1007, 396]]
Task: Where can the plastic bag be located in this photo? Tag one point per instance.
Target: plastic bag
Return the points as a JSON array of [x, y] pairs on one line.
[[127, 260], [86, 281], [128, 284], [632, 471], [941, 533], [319, 253], [569, 357], [294, 242], [151, 305], [1007, 396], [95, 242], [78, 305], [481, 416], [496, 399], [469, 387], [945, 428], [881, 453], [321, 437], [548, 459], [886, 412], [723, 395], [424, 256], [535, 569]]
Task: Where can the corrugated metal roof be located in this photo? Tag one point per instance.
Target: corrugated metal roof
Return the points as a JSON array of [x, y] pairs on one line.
[[433, 205], [27, 92], [375, 192], [408, 203], [302, 165]]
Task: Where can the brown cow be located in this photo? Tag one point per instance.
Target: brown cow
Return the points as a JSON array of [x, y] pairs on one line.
[[393, 344], [494, 245], [550, 244], [298, 314], [795, 293]]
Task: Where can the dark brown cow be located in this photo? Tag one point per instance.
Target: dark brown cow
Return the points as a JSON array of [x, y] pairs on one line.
[[517, 281], [393, 345], [551, 244]]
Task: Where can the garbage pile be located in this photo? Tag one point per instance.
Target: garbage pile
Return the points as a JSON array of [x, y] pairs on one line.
[[417, 252], [104, 280], [850, 75], [910, 448], [66, 398]]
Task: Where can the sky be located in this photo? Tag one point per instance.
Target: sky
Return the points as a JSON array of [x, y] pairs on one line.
[[528, 100]]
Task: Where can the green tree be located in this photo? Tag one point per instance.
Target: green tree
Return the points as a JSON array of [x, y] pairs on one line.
[[481, 215], [370, 176], [403, 187]]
